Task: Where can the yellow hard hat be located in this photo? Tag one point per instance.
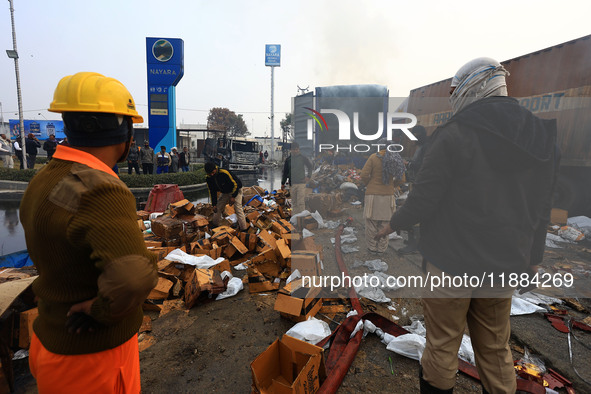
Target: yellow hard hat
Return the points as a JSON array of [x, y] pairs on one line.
[[93, 92]]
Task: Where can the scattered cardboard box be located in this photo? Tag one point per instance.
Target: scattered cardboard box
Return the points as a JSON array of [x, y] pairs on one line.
[[258, 283], [268, 239], [263, 222], [298, 303], [167, 227], [26, 327], [306, 261], [162, 289], [289, 365], [306, 222], [203, 282], [558, 216], [146, 324], [282, 226]]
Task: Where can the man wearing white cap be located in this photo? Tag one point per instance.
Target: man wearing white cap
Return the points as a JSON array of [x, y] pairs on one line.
[[483, 198]]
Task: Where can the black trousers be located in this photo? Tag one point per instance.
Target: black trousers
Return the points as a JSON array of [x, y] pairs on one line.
[[148, 168], [132, 164]]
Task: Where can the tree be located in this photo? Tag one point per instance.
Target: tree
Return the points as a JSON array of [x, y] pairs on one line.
[[286, 128], [226, 120], [286, 124]]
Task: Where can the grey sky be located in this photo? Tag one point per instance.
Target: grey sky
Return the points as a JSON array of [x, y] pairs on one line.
[[400, 44]]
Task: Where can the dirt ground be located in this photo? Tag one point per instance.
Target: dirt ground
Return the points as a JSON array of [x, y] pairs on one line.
[[210, 347]]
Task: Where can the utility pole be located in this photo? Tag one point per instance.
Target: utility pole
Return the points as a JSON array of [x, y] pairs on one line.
[[13, 54], [272, 59]]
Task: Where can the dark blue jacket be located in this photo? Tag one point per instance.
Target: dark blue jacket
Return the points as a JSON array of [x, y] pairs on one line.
[[483, 194]]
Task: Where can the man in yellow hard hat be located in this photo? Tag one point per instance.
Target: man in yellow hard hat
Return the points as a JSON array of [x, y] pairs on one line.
[[81, 232]]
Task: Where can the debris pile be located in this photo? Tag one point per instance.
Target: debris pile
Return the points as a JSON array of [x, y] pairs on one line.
[[341, 183], [193, 255]]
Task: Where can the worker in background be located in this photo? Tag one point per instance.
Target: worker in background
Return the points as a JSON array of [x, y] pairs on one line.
[[133, 159], [32, 144], [184, 159], [50, 145], [379, 175], [412, 170], [147, 158], [230, 187], [298, 169], [174, 160], [162, 161], [483, 198], [81, 231], [6, 151], [18, 151]]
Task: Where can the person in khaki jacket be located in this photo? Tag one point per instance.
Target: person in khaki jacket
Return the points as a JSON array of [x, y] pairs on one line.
[[6, 151], [379, 173]]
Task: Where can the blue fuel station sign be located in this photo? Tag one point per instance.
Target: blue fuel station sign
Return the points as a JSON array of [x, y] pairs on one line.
[[165, 61], [273, 55]]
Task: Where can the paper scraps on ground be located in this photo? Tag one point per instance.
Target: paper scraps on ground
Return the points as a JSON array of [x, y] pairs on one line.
[[307, 233], [294, 275], [571, 234], [416, 327], [349, 249], [197, 261], [523, 307], [371, 293], [394, 236], [583, 223], [233, 287], [373, 265], [552, 239], [524, 304], [346, 239], [311, 330], [331, 224], [316, 215], [408, 345], [411, 345]]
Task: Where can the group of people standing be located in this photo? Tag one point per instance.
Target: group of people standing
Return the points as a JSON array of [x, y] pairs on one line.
[[9, 148], [165, 162]]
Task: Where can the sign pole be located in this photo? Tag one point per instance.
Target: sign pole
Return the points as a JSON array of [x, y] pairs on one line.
[[272, 115], [272, 59]]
